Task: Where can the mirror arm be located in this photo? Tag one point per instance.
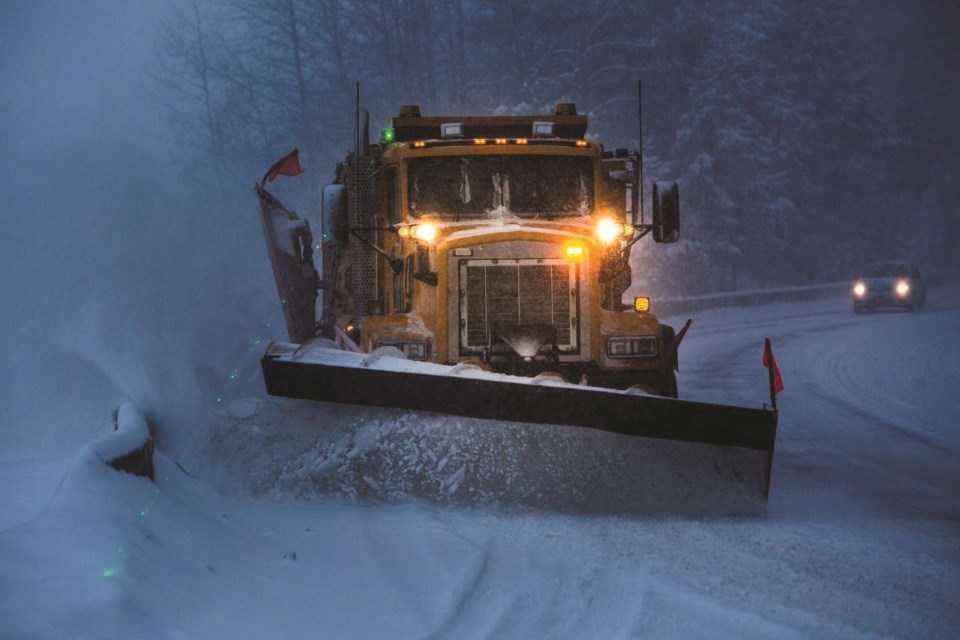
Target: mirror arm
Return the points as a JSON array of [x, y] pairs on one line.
[[395, 264], [642, 230]]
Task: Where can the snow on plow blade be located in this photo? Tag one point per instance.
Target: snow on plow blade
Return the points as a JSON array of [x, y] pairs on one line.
[[727, 451]]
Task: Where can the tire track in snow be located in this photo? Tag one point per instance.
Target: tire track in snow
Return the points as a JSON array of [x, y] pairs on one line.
[[844, 420]]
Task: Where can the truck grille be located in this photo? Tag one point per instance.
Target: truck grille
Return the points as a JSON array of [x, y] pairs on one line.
[[517, 292]]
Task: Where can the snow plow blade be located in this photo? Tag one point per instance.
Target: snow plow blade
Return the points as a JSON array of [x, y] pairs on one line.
[[738, 439]]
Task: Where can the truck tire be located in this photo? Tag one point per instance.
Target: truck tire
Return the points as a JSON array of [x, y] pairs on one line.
[[668, 387], [669, 333]]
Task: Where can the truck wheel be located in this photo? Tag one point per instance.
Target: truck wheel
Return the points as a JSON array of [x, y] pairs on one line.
[[668, 387], [668, 384], [669, 333]]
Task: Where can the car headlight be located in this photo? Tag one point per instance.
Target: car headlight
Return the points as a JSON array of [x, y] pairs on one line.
[[632, 347], [411, 347], [859, 289], [903, 288]]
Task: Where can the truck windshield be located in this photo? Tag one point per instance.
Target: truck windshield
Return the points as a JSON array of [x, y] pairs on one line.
[[535, 186]]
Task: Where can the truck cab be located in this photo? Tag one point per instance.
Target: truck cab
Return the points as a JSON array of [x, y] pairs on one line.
[[502, 241]]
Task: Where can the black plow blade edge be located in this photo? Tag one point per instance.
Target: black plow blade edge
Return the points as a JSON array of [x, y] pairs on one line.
[[632, 415]]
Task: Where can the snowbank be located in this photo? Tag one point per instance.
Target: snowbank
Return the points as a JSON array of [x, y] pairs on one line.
[[294, 449]]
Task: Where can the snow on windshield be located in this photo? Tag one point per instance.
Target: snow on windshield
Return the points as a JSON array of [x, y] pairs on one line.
[[482, 186]]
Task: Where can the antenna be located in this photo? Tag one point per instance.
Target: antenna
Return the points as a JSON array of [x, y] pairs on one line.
[[356, 125], [640, 151]]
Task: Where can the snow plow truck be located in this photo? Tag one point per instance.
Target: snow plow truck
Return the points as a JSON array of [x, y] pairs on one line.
[[488, 257]]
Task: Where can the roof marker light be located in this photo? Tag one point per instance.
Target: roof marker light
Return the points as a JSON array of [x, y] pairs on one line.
[[543, 129], [451, 130]]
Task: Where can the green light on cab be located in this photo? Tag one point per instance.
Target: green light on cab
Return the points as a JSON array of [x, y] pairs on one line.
[[107, 573], [387, 135]]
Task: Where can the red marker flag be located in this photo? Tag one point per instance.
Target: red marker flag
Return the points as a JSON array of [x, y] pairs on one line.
[[776, 382], [288, 165]]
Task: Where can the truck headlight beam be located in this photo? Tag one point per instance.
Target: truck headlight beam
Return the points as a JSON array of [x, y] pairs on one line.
[[426, 232], [609, 230]]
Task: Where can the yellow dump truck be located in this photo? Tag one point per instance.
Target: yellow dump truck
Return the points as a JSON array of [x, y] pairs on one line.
[[500, 243]]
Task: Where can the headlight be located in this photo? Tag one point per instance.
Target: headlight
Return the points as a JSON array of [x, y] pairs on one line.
[[426, 232], [609, 230], [632, 347], [411, 347], [903, 288], [859, 289]]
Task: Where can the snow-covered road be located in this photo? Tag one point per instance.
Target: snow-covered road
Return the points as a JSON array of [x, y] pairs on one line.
[[862, 536]]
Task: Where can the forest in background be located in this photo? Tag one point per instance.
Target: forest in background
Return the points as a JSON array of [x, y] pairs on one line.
[[803, 143]]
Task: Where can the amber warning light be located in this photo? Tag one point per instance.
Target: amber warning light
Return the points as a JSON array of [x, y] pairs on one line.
[[641, 304]]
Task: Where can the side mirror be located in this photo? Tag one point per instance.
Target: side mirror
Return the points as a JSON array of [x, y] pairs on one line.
[[666, 212]]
